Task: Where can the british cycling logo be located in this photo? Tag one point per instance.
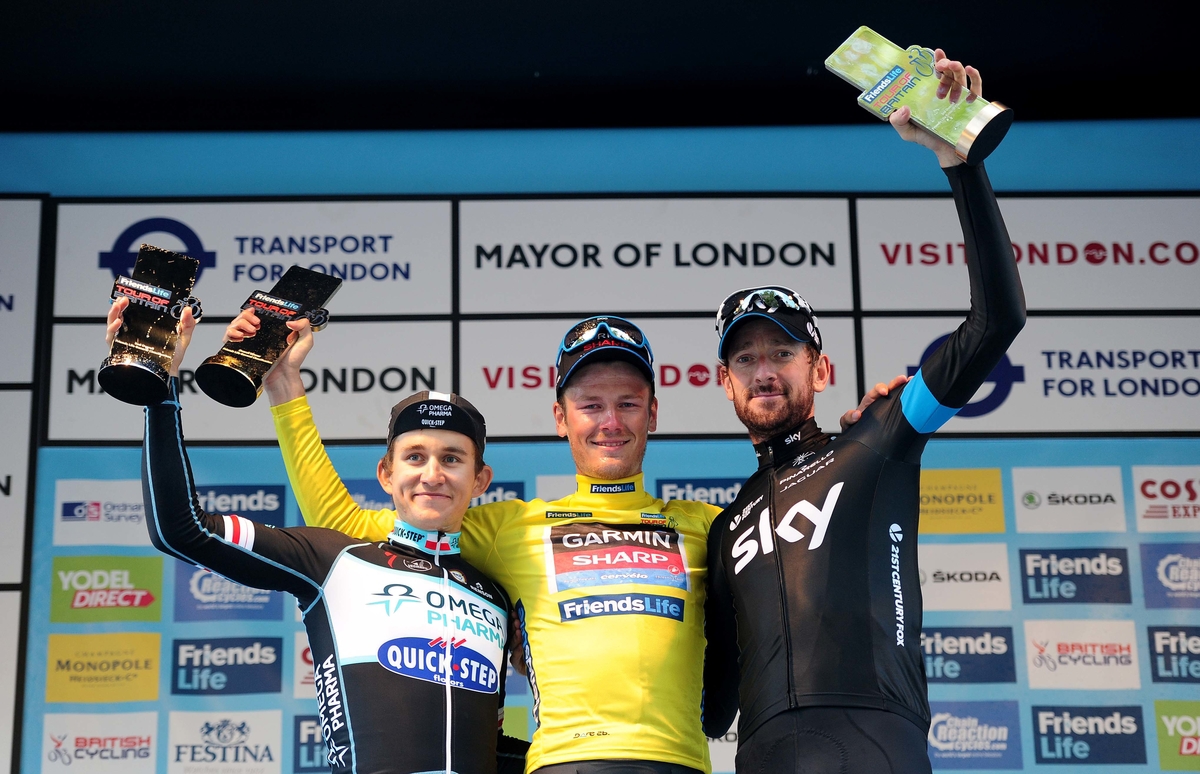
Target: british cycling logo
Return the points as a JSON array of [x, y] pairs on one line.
[[120, 259], [1003, 377]]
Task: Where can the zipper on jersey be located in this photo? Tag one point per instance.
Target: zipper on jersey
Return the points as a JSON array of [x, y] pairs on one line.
[[783, 606], [447, 636]]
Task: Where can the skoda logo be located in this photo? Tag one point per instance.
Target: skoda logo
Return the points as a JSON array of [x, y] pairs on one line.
[[1031, 500], [124, 251], [1003, 376]]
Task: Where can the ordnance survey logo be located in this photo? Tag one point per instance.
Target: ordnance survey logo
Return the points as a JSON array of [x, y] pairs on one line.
[[1002, 377], [120, 259], [974, 735]]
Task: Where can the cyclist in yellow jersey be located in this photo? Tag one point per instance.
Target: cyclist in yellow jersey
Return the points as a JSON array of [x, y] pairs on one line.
[[608, 583]]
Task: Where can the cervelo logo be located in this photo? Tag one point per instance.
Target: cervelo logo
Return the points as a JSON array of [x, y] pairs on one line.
[[1174, 654], [123, 255], [1168, 498], [745, 547], [1076, 575], [1088, 735], [714, 491], [1095, 654], [1048, 253], [229, 665], [968, 655], [1002, 377]]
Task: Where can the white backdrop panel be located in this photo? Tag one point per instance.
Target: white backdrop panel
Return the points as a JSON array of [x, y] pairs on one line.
[[20, 225], [14, 477], [10, 630]]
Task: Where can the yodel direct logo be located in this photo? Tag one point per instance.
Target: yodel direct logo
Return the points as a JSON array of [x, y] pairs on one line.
[[1075, 575], [106, 588], [1178, 735], [227, 666], [1074, 735], [1174, 654], [969, 655]]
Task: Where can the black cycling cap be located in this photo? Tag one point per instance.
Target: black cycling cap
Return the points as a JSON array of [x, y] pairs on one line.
[[427, 410]]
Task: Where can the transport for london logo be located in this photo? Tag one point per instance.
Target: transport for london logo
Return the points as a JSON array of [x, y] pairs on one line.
[[1003, 376], [124, 251]]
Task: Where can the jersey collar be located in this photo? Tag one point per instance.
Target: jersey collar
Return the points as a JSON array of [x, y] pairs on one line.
[[623, 494], [787, 446], [427, 541]]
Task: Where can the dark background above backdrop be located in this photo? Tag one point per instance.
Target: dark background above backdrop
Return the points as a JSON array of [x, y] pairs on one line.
[[70, 65]]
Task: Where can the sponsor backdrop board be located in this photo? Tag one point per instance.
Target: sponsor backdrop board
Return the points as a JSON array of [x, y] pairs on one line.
[[1094, 253], [508, 372], [14, 477], [1064, 374], [20, 225], [649, 255], [394, 257], [1063, 645]]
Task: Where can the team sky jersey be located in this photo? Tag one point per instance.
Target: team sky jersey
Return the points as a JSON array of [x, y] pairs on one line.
[[813, 568], [407, 638], [609, 587]]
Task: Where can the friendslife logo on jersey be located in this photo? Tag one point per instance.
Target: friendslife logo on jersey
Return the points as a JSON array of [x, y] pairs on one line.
[[969, 655], [621, 604], [1075, 575], [628, 486], [1075, 735], [590, 555]]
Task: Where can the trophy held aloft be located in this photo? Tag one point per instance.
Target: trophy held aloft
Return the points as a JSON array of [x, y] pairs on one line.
[[892, 77], [234, 376], [137, 369]]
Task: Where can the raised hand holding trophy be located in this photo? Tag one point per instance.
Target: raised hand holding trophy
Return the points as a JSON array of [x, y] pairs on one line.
[[234, 376], [137, 367], [892, 77]]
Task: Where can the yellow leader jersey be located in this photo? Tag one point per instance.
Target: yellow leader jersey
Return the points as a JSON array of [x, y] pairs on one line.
[[608, 583]]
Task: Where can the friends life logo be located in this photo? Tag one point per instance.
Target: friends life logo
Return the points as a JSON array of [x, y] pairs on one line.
[[263, 503], [121, 258], [1171, 575], [309, 754], [1075, 575], [969, 654], [714, 491], [1174, 654], [1088, 735], [1002, 378], [227, 666]]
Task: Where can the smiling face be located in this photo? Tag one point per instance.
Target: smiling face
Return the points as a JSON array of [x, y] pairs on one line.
[[771, 378], [432, 476], [607, 414]]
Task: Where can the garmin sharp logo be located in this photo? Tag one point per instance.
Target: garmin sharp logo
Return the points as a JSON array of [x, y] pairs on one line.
[[124, 252], [1003, 377]]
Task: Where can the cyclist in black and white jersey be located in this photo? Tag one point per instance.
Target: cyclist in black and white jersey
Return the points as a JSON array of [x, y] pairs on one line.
[[408, 640]]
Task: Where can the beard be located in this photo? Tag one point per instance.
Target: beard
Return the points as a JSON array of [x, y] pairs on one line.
[[794, 407]]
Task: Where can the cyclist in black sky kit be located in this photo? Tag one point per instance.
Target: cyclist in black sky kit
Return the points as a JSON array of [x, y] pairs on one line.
[[408, 639], [814, 594]]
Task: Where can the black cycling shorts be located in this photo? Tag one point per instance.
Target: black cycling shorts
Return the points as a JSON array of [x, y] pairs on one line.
[[834, 740], [616, 767]]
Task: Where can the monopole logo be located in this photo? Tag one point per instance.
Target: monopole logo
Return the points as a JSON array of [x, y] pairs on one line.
[[1003, 376], [124, 252]]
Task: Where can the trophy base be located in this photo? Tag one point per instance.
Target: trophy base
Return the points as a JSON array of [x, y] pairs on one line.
[[222, 380], [134, 380], [984, 133]]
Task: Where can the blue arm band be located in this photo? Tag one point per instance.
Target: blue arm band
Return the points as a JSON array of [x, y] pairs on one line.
[[921, 409]]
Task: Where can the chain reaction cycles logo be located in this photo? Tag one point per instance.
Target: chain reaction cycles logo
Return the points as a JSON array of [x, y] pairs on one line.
[[1003, 376], [120, 259]]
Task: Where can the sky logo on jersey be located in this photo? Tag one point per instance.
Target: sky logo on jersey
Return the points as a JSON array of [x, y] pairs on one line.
[[1178, 735], [1171, 574], [432, 660], [1174, 654], [974, 735], [1075, 575], [969, 655], [308, 749], [588, 555], [1083, 735], [621, 604], [264, 504], [201, 595], [121, 258], [714, 491], [229, 665], [1002, 377], [500, 491]]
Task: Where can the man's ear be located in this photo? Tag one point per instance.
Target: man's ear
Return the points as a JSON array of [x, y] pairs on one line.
[[384, 476], [483, 479], [822, 371], [653, 414], [725, 379], [560, 420]]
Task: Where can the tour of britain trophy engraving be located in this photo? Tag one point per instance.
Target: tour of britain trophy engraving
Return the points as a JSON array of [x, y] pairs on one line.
[[137, 369], [234, 376], [891, 77]]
